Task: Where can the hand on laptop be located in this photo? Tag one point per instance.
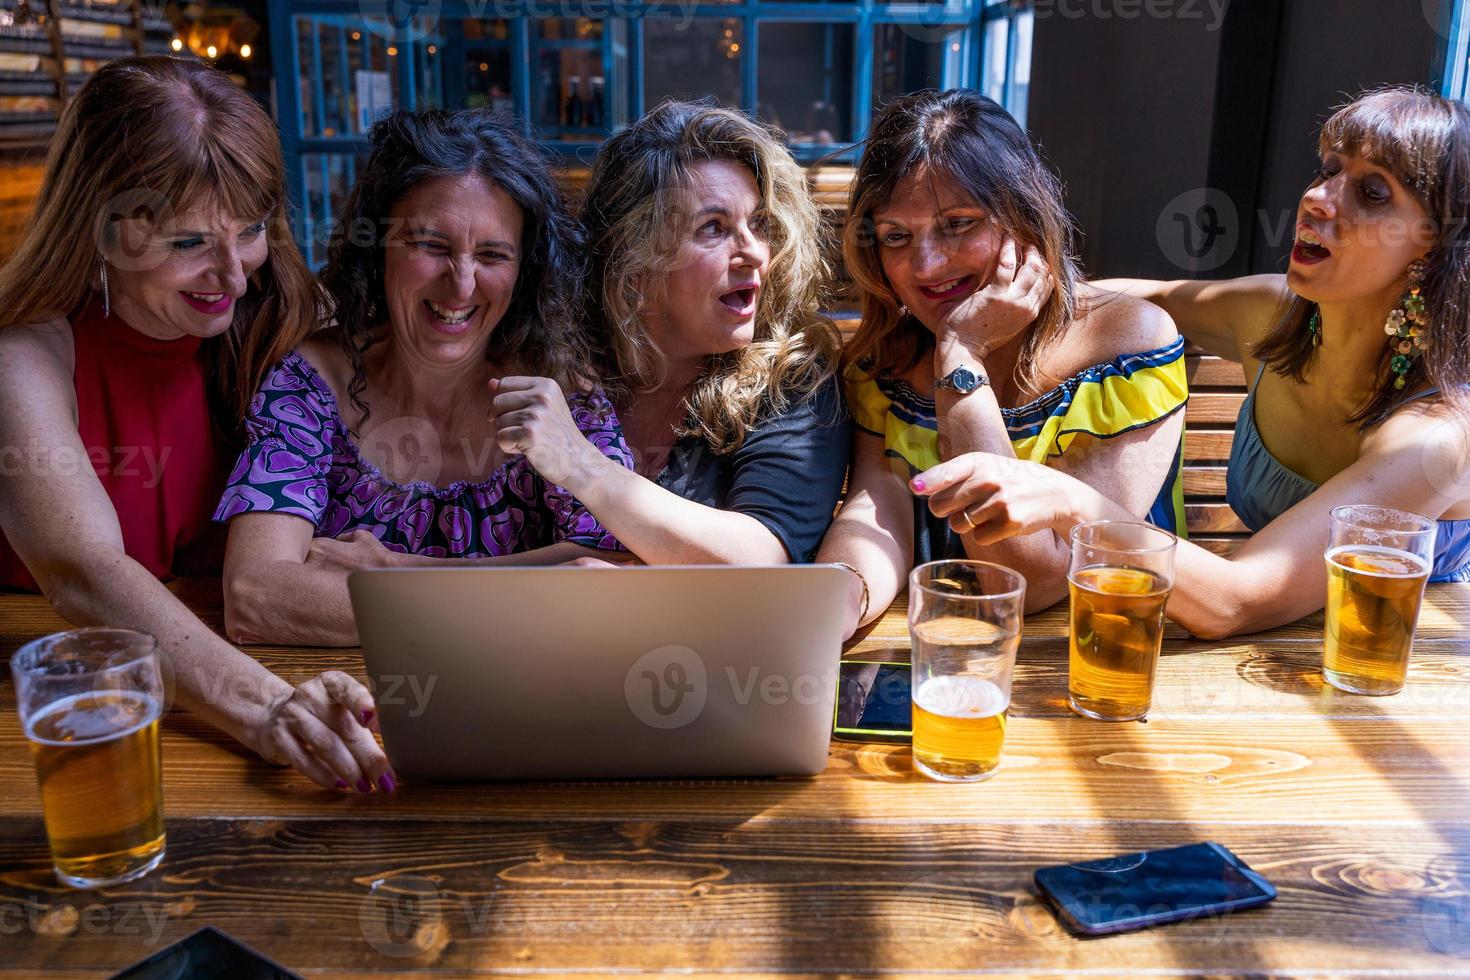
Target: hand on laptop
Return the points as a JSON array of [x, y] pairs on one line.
[[324, 729]]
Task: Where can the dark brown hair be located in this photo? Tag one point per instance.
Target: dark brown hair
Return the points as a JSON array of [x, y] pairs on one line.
[[540, 332], [1424, 141], [963, 137], [149, 137]]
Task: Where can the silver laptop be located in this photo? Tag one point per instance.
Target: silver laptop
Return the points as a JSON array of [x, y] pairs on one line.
[[554, 673]]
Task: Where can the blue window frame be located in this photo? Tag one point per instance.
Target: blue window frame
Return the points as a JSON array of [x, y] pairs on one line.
[[818, 69], [1450, 70]]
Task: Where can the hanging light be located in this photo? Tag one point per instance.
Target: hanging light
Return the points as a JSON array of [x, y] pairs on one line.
[[177, 44], [211, 52], [245, 51], [392, 52], [433, 50]]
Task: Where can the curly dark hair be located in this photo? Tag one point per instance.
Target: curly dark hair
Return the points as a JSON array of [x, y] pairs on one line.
[[542, 331]]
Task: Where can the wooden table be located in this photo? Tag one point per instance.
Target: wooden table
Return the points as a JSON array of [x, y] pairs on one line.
[[1358, 809]]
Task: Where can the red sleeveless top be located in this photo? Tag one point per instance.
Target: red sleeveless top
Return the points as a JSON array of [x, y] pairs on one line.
[[143, 417]]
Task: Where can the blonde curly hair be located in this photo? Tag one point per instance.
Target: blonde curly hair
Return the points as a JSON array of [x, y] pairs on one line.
[[638, 181]]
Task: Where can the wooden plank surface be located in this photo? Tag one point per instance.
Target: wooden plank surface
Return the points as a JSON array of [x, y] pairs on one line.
[[471, 894], [1358, 809], [1205, 517], [1207, 445], [1204, 481], [1213, 407], [1208, 371]]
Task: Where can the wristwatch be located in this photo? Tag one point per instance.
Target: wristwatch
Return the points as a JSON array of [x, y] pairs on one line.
[[962, 380]]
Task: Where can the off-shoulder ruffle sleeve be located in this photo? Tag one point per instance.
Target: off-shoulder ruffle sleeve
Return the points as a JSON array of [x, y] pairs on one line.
[[290, 429]]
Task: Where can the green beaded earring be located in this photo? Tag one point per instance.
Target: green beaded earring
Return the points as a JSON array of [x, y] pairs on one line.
[[1406, 327], [1314, 327]]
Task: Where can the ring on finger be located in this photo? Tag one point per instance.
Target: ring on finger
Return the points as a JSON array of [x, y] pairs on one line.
[[969, 521]]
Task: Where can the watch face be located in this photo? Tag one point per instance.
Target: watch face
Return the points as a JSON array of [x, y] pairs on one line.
[[962, 380]]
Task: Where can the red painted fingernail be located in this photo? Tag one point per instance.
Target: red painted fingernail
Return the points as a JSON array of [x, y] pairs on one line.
[[341, 784], [387, 783], [367, 716], [363, 786], [918, 485]]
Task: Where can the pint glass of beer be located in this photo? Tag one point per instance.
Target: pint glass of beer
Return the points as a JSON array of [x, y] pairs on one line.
[[1119, 579], [89, 702], [965, 626], [1378, 560]]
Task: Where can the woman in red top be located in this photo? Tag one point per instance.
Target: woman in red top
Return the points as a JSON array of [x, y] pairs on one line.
[[156, 283]]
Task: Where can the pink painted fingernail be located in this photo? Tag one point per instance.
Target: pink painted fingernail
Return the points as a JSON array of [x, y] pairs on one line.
[[341, 784], [918, 485], [363, 786], [367, 716], [387, 783]]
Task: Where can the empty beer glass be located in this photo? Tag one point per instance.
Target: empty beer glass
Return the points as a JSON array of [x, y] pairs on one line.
[[1120, 578], [89, 702], [1378, 561], [965, 626]]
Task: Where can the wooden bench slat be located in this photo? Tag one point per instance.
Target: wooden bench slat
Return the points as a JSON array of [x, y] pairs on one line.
[[1204, 481], [1208, 371], [1202, 445], [1220, 544], [1213, 518], [1213, 407]]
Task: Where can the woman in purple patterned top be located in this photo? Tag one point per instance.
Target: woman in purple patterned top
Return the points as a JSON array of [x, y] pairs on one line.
[[370, 444]]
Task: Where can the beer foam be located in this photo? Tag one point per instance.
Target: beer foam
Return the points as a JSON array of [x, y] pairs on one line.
[[109, 716], [1378, 561], [961, 696]]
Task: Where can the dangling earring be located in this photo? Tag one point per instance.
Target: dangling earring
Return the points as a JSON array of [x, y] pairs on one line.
[[1406, 325], [903, 311], [1314, 326], [106, 297]]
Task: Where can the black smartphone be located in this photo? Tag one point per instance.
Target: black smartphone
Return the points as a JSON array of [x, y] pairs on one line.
[[207, 954], [873, 702], [1135, 891]]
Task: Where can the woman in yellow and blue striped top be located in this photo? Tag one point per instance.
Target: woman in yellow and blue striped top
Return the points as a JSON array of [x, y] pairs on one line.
[[981, 345]]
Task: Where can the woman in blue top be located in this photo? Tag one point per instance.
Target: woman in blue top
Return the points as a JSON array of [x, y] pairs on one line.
[[1358, 365]]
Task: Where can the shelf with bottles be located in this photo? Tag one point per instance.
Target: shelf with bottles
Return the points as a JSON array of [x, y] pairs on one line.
[[34, 81], [117, 13], [26, 128], [49, 48], [23, 40]]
